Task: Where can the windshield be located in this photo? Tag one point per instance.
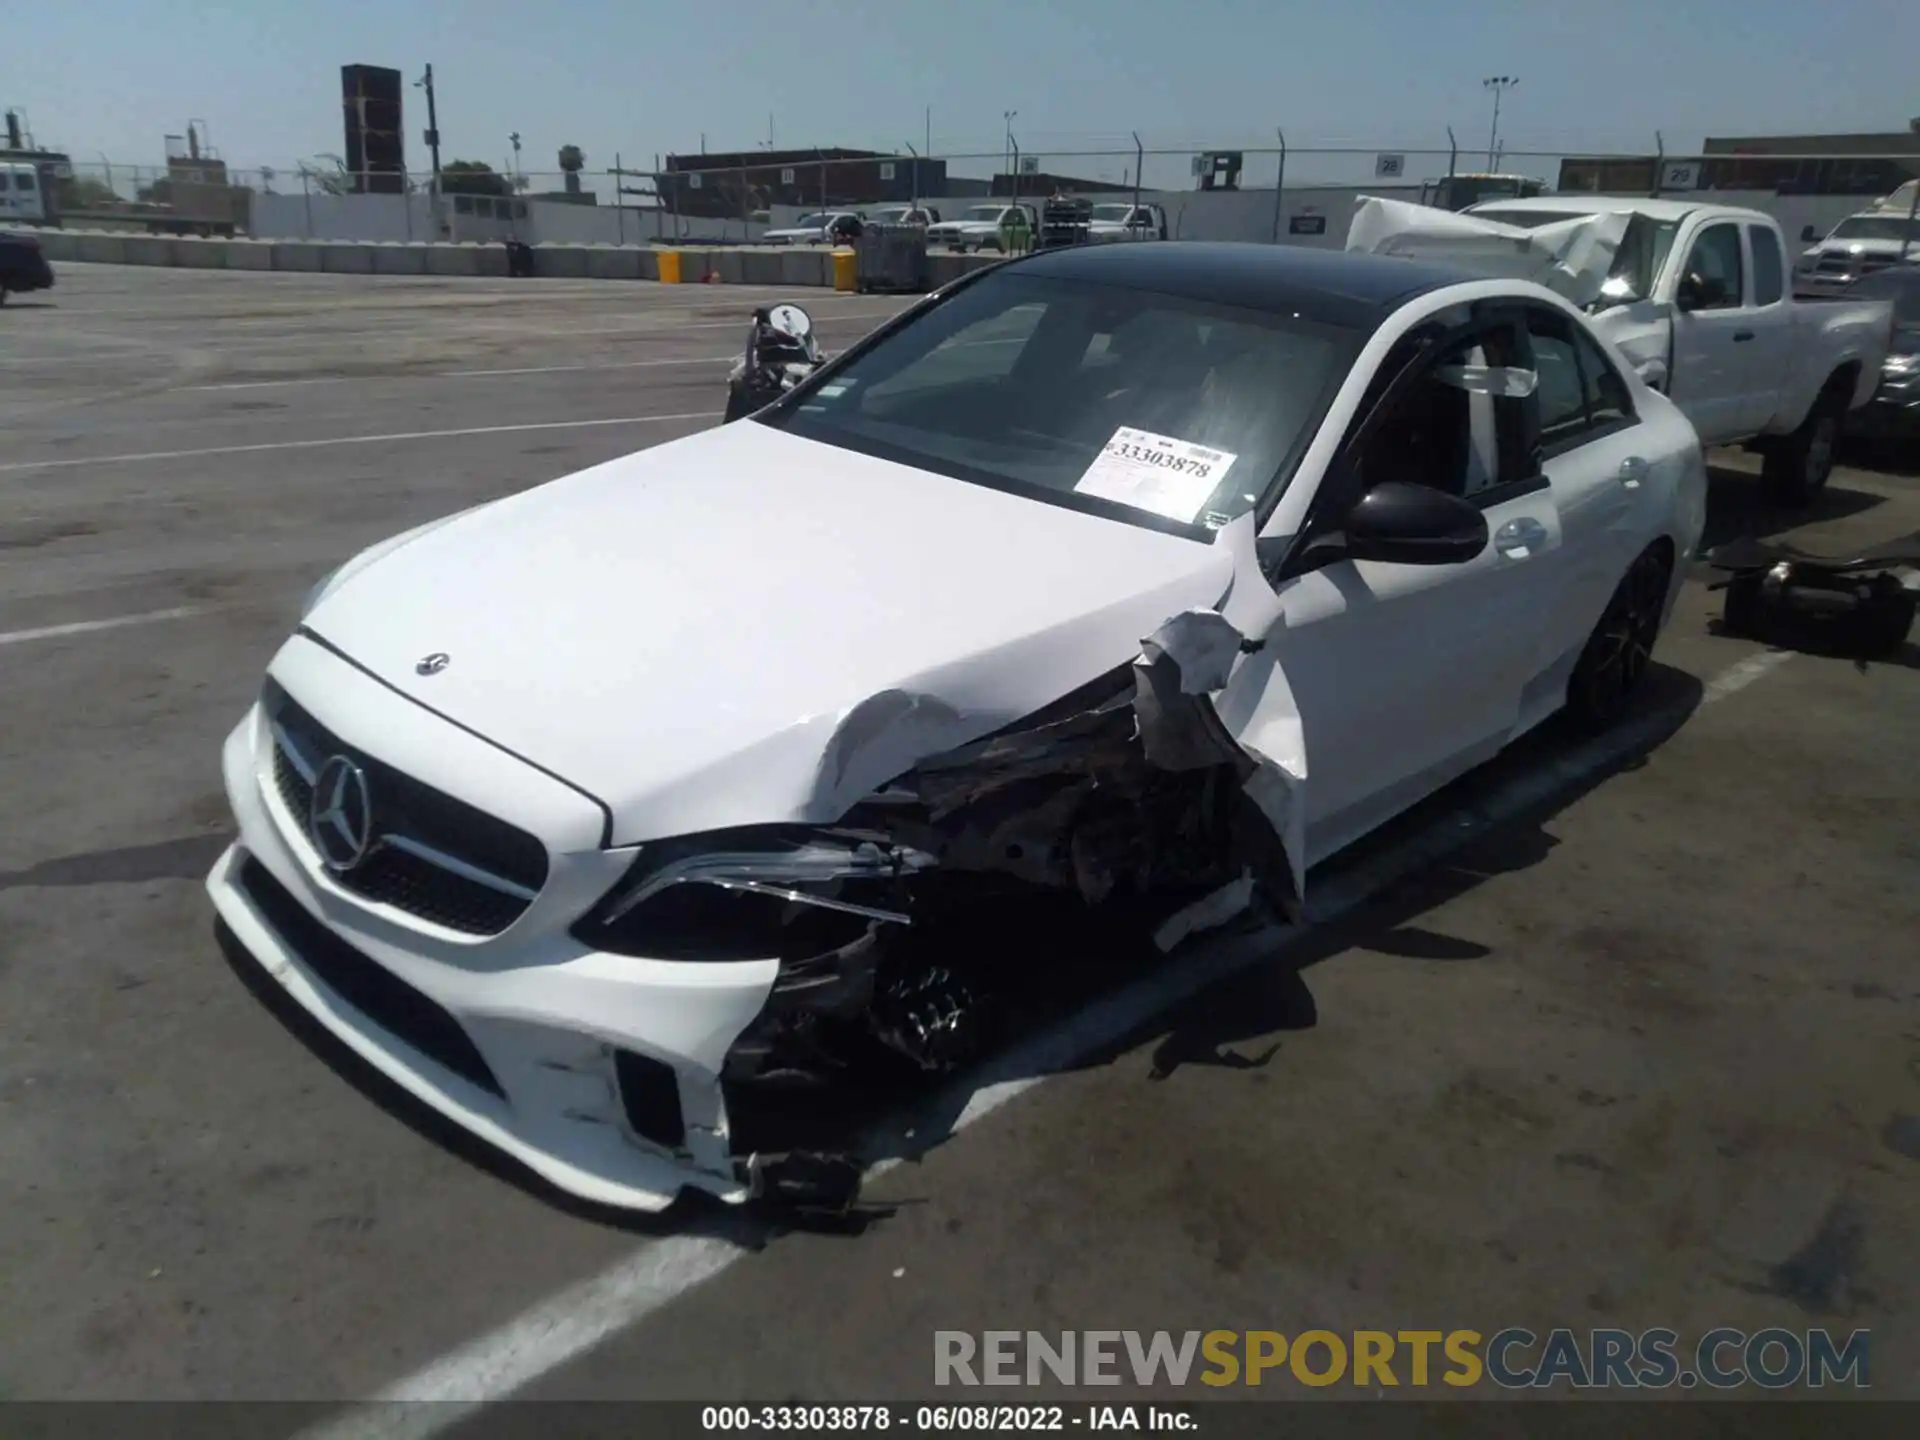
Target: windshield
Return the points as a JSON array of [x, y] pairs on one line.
[[1145, 407], [811, 222], [1643, 250], [1876, 227], [984, 212], [1459, 191], [1112, 212]]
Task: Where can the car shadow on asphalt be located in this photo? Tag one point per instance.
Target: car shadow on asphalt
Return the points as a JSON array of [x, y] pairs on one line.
[[1240, 1022], [1739, 505], [185, 859]]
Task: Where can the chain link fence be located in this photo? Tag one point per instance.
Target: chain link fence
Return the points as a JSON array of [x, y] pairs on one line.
[[1266, 192]]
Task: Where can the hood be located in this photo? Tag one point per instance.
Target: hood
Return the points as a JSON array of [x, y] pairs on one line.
[[744, 627], [1571, 257]]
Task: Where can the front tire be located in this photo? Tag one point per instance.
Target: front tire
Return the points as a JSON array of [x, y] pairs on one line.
[[1618, 654], [1797, 469]]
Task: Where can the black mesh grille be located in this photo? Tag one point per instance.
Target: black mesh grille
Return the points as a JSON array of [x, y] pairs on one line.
[[372, 989], [403, 806]]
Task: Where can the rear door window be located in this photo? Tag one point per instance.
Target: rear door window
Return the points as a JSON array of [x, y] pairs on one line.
[[1769, 271]]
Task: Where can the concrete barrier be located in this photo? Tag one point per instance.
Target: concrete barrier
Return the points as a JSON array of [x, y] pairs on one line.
[[649, 259], [190, 252], [453, 259], [730, 266], [149, 250], [347, 259], [760, 267], [59, 245], [805, 267], [561, 262], [249, 255], [397, 259], [296, 255], [613, 262]]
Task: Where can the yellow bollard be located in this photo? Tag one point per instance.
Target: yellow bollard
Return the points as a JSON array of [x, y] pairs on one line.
[[846, 270], [669, 267]]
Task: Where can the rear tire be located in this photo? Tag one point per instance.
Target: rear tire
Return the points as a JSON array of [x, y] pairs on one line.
[[1797, 468], [1618, 653]]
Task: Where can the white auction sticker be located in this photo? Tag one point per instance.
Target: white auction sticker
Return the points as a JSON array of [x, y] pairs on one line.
[[1158, 473]]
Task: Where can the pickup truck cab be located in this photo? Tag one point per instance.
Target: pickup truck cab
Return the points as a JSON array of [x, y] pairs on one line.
[[1697, 299], [994, 226], [1122, 221]]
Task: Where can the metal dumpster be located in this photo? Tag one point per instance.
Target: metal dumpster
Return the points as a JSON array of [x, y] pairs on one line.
[[893, 259]]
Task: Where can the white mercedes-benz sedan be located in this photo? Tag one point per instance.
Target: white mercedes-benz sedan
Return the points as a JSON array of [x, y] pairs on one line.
[[1139, 577]]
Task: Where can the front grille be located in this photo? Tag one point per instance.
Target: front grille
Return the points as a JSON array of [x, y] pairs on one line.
[[369, 987], [432, 856]]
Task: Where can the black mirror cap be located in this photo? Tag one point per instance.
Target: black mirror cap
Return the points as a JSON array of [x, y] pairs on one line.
[[1808, 234], [1406, 524]]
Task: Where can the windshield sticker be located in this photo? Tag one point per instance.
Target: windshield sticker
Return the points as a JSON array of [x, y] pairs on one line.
[[1156, 473]]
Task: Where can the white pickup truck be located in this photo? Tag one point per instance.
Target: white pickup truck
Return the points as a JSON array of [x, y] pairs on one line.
[[1121, 221], [983, 227], [1698, 298]]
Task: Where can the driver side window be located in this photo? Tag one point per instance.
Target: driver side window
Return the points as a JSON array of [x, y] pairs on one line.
[[1441, 435], [1715, 260]]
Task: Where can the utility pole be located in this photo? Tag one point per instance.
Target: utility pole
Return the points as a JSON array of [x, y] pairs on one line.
[[1007, 148], [425, 82], [1498, 84]]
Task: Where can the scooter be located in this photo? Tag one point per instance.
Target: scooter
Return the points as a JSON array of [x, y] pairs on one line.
[[781, 352]]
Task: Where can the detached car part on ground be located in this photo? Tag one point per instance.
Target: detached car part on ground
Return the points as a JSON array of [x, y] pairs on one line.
[[23, 265], [1123, 581], [1696, 296]]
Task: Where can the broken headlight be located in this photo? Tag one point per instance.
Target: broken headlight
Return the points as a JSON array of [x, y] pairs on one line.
[[750, 897]]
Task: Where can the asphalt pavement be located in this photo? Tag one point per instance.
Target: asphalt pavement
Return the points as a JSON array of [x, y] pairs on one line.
[[1635, 1042]]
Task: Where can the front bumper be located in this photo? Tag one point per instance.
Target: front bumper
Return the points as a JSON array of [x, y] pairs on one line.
[[1894, 411], [598, 1072]]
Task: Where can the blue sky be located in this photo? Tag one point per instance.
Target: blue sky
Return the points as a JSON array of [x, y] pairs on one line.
[[114, 76]]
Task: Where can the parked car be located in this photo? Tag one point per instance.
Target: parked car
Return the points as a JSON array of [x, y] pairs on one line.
[[1894, 412], [1871, 240], [23, 265], [588, 814], [985, 227], [1695, 295], [903, 215], [1123, 221], [823, 227]]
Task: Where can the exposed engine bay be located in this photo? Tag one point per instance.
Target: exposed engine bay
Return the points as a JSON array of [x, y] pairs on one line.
[[1122, 808]]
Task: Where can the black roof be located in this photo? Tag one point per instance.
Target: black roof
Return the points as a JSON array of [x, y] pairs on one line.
[[1330, 287]]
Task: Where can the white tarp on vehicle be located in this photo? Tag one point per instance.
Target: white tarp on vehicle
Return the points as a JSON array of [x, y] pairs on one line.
[[1572, 257]]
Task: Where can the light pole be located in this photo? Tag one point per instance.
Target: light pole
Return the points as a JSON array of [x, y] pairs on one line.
[[1498, 84], [1006, 149], [514, 140], [425, 82]]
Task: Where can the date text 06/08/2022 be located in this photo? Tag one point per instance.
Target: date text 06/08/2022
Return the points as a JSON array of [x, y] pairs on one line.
[[924, 1419]]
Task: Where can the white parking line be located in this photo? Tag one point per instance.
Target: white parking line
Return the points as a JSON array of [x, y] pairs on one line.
[[579, 1318], [84, 627], [460, 374], [15, 466]]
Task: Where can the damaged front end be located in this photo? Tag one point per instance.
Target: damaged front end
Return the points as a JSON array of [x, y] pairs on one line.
[[913, 932]]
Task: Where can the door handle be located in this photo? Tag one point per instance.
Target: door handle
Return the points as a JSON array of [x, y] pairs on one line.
[[1742, 335], [1633, 470], [1517, 539]]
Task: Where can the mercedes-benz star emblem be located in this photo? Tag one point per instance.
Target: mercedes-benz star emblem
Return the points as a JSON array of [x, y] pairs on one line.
[[340, 815], [432, 664]]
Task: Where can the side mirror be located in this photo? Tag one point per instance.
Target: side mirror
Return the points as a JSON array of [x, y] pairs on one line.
[[1700, 292], [1404, 524], [791, 320], [1809, 235]]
